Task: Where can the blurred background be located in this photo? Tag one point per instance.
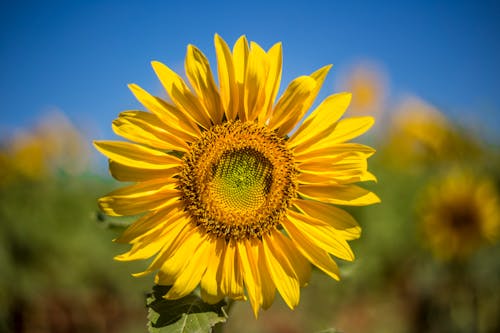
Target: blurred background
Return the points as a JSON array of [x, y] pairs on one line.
[[428, 71]]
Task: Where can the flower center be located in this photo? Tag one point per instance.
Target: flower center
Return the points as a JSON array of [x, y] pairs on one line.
[[238, 180], [242, 179]]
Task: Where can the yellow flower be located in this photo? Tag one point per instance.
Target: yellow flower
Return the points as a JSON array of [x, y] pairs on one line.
[[54, 144], [459, 214], [421, 135], [232, 203], [368, 85]]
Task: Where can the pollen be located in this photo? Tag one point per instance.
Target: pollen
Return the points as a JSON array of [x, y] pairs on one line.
[[237, 180]]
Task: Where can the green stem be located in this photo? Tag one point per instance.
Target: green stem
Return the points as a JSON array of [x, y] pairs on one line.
[[219, 328]]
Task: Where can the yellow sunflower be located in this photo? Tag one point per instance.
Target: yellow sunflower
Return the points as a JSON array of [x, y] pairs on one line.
[[459, 214], [231, 202]]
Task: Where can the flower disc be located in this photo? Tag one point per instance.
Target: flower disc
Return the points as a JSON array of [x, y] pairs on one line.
[[238, 180]]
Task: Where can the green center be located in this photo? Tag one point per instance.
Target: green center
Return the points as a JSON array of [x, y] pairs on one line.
[[241, 179]]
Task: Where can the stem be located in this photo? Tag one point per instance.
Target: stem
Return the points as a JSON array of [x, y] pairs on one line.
[[219, 328]]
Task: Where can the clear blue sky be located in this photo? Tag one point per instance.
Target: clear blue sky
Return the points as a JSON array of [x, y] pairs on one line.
[[78, 56]]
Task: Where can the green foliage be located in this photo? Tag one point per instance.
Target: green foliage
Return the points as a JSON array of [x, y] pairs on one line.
[[56, 260], [186, 315]]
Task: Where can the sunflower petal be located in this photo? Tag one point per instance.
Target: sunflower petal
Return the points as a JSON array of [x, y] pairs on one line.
[[146, 128], [248, 253], [174, 121], [319, 76], [130, 174], [334, 150], [240, 58], [189, 277], [227, 80], [328, 112], [299, 264], [280, 269], [275, 56], [267, 286], [342, 131], [255, 82], [172, 259], [137, 156], [230, 274], [149, 222], [181, 95], [173, 237], [210, 286], [338, 218], [153, 242], [322, 234], [290, 104], [138, 198], [351, 195], [200, 76], [317, 256]]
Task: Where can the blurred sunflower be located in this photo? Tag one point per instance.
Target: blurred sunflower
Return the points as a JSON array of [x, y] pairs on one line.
[[232, 203], [459, 214], [421, 135], [54, 144], [367, 82]]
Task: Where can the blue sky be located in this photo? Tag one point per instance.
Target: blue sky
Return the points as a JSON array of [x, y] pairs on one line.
[[78, 56]]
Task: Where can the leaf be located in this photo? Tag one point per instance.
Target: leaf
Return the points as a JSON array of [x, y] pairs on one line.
[[185, 315]]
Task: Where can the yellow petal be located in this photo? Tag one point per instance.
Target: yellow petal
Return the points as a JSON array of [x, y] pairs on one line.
[[267, 285], [181, 95], [280, 269], [290, 103], [138, 198], [342, 131], [332, 178], [317, 256], [149, 222], [248, 254], [322, 234], [240, 58], [154, 241], [175, 121], [147, 129], [227, 78], [174, 235], [350, 195], [230, 275], [130, 174], [255, 82], [210, 286], [350, 128], [343, 168], [327, 113], [319, 76], [333, 150], [137, 156], [275, 56], [298, 263], [189, 277], [200, 76], [338, 218], [322, 163], [143, 250], [173, 260]]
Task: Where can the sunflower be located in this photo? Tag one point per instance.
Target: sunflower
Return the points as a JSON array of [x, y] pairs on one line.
[[421, 135], [368, 85], [459, 214], [230, 201]]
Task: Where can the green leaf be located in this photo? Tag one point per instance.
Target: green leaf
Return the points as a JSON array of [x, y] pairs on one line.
[[184, 315]]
